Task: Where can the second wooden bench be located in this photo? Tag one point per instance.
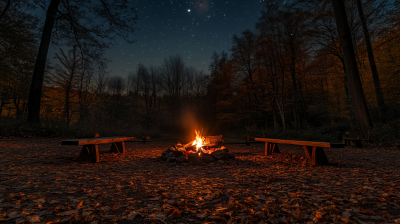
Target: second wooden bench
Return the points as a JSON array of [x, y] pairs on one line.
[[314, 150]]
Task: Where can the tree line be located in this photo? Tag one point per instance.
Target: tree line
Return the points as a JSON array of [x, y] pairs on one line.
[[304, 64]]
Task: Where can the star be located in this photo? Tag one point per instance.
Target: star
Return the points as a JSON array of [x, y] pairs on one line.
[[188, 10]]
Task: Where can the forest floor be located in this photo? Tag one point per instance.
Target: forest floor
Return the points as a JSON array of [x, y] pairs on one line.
[[42, 181]]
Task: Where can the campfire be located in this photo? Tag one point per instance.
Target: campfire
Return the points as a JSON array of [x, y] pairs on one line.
[[203, 149]]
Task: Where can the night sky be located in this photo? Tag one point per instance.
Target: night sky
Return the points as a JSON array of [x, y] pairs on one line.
[[194, 29]]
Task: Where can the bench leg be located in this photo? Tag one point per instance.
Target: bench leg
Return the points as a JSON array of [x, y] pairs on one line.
[[118, 147], [271, 148], [275, 149], [90, 153], [315, 155], [121, 147], [94, 155], [319, 157], [114, 147], [355, 143], [85, 152], [308, 152], [267, 152]]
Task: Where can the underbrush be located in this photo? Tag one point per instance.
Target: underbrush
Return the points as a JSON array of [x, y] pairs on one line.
[[385, 135], [22, 128], [326, 133], [382, 135]]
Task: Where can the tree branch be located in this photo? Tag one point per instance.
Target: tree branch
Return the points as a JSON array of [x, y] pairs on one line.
[[5, 9]]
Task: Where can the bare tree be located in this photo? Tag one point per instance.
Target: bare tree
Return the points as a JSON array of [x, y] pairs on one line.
[[243, 56], [173, 71], [66, 76], [154, 73], [86, 87], [17, 55], [356, 92], [114, 100], [378, 90], [9, 7], [91, 25], [295, 24], [270, 46]]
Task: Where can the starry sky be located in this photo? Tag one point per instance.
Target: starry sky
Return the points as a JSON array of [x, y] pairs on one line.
[[193, 28]]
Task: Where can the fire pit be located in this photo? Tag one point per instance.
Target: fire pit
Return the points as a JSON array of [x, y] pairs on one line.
[[202, 150]]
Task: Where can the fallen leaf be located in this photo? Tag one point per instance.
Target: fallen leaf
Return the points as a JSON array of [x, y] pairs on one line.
[[132, 215], [33, 218], [175, 214]]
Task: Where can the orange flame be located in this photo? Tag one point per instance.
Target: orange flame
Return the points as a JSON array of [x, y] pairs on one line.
[[198, 141]]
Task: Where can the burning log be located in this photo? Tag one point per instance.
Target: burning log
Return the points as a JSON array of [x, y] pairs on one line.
[[208, 141], [202, 150]]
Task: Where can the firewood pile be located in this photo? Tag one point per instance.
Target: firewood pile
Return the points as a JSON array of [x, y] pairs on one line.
[[211, 151]]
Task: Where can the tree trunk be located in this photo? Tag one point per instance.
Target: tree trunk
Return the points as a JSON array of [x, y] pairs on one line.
[[378, 90], [16, 101], [1, 107], [295, 109], [67, 105], [274, 116], [356, 92], [35, 92], [282, 113], [282, 108]]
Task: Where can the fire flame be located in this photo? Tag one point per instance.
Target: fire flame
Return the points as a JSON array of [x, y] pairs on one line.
[[198, 141]]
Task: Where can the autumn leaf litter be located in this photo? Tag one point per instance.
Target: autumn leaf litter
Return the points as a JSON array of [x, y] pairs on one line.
[[43, 182]]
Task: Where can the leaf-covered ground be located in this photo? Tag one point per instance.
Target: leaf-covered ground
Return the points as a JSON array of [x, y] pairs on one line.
[[42, 181]]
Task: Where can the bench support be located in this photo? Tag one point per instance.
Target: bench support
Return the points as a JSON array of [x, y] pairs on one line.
[[315, 155], [247, 138], [271, 148], [352, 142], [118, 147], [90, 152]]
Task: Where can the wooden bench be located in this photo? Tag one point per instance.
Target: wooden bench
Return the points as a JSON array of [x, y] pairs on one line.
[[314, 150], [247, 138], [90, 150], [144, 139], [353, 142]]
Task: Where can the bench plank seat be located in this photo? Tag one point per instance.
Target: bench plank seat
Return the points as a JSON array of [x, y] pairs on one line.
[[314, 150], [306, 143], [96, 141]]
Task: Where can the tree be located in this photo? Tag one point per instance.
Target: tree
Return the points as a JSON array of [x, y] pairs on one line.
[[114, 99], [91, 25], [66, 76], [378, 90], [17, 55], [244, 61], [295, 24], [271, 50], [356, 92], [9, 7]]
